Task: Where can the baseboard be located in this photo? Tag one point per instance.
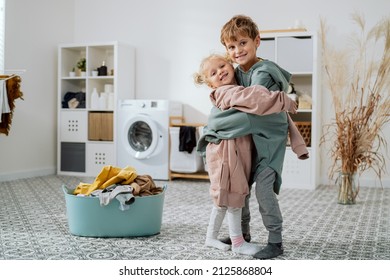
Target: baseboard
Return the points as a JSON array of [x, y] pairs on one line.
[[10, 176]]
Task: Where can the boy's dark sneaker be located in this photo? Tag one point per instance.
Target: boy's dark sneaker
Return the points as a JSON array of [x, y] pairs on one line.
[[272, 250], [227, 240]]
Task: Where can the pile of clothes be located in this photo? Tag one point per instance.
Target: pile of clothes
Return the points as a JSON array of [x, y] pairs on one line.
[[122, 184]]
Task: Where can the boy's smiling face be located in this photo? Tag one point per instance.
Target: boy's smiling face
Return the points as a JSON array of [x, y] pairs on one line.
[[242, 51]]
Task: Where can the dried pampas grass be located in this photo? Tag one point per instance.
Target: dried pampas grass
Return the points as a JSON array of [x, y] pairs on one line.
[[359, 82]]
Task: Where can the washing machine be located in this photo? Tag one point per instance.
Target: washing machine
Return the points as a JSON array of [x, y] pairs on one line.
[[143, 135]]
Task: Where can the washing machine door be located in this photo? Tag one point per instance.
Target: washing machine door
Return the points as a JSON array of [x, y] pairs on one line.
[[141, 136]]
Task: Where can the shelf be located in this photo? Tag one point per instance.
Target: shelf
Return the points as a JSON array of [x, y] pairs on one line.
[[177, 121], [100, 110], [99, 141], [86, 136], [74, 78], [283, 30], [187, 124], [87, 77], [73, 109], [302, 74], [304, 111], [101, 77]]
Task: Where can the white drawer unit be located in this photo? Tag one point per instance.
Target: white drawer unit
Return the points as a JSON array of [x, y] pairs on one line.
[[73, 126], [99, 155], [297, 173]]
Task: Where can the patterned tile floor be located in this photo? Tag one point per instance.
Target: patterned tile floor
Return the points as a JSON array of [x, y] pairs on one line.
[[33, 225]]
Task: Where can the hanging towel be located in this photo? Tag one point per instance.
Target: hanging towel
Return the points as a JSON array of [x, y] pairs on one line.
[[187, 138], [10, 88], [4, 106]]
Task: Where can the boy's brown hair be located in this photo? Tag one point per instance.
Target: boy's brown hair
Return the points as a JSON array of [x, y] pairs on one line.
[[239, 25]]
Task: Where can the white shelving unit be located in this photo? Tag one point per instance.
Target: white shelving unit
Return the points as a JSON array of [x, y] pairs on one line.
[[87, 136], [297, 52]]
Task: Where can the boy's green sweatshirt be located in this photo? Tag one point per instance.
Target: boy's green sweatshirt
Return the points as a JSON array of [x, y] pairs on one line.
[[265, 73]]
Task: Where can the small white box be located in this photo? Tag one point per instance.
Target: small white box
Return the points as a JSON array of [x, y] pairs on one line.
[[183, 162]]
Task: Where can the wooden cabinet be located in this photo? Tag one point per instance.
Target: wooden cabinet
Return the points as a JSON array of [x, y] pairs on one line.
[[100, 126], [86, 127]]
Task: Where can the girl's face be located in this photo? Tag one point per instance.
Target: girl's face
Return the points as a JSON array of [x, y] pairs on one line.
[[219, 72], [243, 51]]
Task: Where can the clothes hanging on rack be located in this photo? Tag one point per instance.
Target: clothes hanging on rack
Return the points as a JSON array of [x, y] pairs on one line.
[[9, 92], [4, 106], [187, 138]]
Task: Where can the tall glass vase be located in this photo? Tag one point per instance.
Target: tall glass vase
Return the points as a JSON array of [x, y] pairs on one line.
[[348, 188]]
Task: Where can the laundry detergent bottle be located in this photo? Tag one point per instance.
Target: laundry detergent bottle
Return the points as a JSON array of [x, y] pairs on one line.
[[94, 99]]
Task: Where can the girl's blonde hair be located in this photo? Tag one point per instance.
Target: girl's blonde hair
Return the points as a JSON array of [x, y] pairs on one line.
[[200, 77]]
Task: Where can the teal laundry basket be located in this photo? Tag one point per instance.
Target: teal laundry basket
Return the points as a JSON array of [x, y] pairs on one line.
[[87, 218]]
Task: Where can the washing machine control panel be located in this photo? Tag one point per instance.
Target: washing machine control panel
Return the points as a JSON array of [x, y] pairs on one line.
[[143, 104]]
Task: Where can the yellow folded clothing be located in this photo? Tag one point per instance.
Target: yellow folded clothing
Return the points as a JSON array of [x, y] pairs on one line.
[[108, 176]]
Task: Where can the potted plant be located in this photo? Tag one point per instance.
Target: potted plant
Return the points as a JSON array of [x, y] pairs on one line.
[[72, 73], [359, 83], [82, 66]]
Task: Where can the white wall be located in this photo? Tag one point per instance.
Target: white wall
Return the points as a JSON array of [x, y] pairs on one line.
[[171, 37], [33, 31]]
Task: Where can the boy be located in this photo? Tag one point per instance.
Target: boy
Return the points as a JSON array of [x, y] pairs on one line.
[[241, 38]]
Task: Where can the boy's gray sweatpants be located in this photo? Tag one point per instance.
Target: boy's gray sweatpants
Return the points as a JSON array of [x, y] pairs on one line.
[[268, 206]]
